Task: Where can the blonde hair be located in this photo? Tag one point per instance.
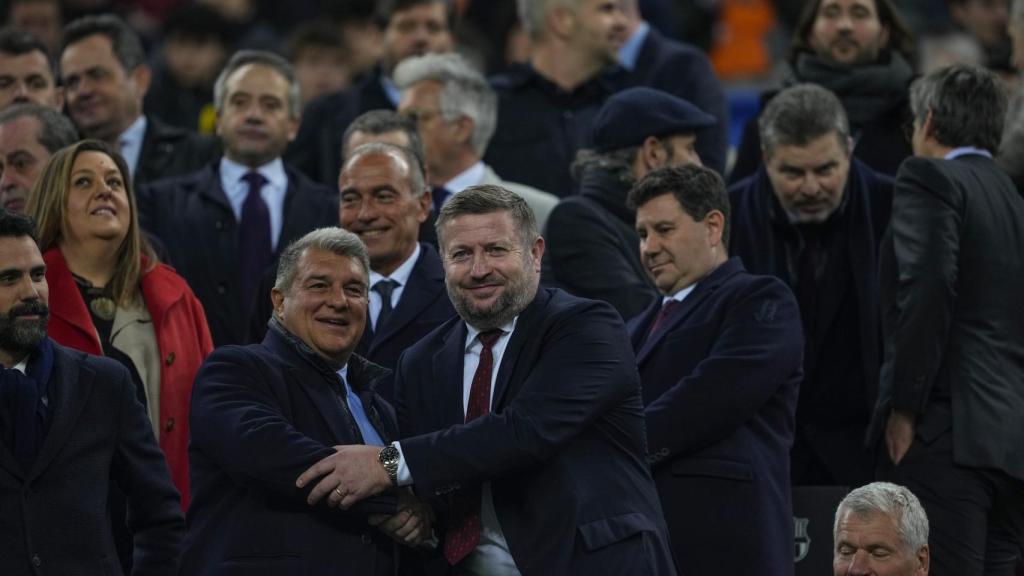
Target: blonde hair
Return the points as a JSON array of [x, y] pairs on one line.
[[48, 204]]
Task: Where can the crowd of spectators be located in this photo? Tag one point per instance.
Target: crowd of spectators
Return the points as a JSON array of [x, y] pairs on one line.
[[170, 151]]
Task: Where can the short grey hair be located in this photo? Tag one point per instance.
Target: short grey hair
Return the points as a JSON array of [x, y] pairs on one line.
[[377, 122], [533, 13], [967, 106], [485, 199], [332, 239], [263, 58], [801, 114], [893, 501], [55, 129], [465, 93], [417, 181]]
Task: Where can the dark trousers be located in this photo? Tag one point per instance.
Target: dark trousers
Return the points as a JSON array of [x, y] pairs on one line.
[[975, 515]]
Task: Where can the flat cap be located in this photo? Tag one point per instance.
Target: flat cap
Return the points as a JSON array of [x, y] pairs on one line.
[[627, 118]]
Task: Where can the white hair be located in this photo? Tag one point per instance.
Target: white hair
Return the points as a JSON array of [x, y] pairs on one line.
[[465, 93], [894, 501]]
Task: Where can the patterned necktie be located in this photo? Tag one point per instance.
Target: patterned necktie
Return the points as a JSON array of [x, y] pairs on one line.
[[254, 248], [464, 527], [385, 288]]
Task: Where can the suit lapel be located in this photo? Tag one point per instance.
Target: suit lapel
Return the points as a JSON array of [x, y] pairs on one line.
[[447, 383], [425, 282], [528, 319], [704, 288], [70, 388]]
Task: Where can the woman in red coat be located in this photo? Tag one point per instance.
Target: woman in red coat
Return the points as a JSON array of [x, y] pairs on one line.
[[109, 295]]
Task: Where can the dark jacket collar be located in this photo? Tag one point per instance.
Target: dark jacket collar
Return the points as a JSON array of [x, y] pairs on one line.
[[606, 188], [362, 374]]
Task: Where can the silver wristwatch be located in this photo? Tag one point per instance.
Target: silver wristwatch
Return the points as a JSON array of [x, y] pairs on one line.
[[388, 457]]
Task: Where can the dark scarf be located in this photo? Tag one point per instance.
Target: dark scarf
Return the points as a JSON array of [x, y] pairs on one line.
[[24, 416], [867, 91]]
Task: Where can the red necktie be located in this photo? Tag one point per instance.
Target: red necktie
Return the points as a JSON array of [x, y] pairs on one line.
[[666, 309], [464, 526]]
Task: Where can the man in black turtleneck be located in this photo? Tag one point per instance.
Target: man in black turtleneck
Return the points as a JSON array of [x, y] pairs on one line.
[[591, 240], [861, 51], [813, 216]]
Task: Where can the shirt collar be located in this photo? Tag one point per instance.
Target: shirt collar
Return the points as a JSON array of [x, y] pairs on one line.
[[472, 333], [630, 51], [21, 366], [231, 172], [134, 133], [402, 273], [681, 295], [390, 90], [967, 151], [344, 374], [469, 177]]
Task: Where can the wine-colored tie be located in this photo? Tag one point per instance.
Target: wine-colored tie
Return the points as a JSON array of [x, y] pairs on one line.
[[666, 309], [464, 527]]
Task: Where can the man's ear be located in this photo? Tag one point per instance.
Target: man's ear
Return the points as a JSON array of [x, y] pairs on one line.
[[141, 76], [715, 222], [652, 153], [426, 202], [537, 251], [561, 21], [277, 298], [464, 127]]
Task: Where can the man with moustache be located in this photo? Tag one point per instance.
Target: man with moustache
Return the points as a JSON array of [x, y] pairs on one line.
[[813, 216], [224, 225], [70, 424], [410, 28], [521, 418], [29, 135], [861, 51], [105, 76]]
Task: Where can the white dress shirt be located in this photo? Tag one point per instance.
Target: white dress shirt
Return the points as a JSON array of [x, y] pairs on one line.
[[491, 557], [130, 143], [400, 275], [469, 177], [679, 296], [273, 192]]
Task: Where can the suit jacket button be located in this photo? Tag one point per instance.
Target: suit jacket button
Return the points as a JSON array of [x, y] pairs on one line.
[[219, 225], [169, 425], [36, 561], [222, 289], [366, 538], [170, 359]]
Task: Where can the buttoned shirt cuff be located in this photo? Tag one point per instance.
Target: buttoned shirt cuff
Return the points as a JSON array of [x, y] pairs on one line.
[[404, 476]]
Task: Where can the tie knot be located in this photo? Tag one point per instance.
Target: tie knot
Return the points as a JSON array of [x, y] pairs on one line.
[[489, 337], [385, 287], [255, 180]]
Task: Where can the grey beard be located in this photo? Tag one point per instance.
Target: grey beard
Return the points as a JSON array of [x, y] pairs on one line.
[[516, 297]]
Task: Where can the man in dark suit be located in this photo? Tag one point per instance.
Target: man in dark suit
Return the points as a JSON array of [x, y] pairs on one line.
[[411, 28], [70, 425], [521, 419], [105, 77], [546, 106], [682, 70], [952, 274], [813, 216], [591, 241], [223, 225], [719, 361], [384, 199], [264, 413]]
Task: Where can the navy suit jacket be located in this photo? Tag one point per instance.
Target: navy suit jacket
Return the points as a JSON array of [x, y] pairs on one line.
[[720, 378], [684, 71], [261, 415], [55, 516], [193, 219], [563, 445], [424, 306]]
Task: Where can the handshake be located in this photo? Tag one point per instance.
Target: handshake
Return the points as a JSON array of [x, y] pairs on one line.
[[354, 473]]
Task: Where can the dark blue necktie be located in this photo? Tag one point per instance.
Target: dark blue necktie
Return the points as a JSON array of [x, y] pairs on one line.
[[254, 249], [385, 288], [439, 194]]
